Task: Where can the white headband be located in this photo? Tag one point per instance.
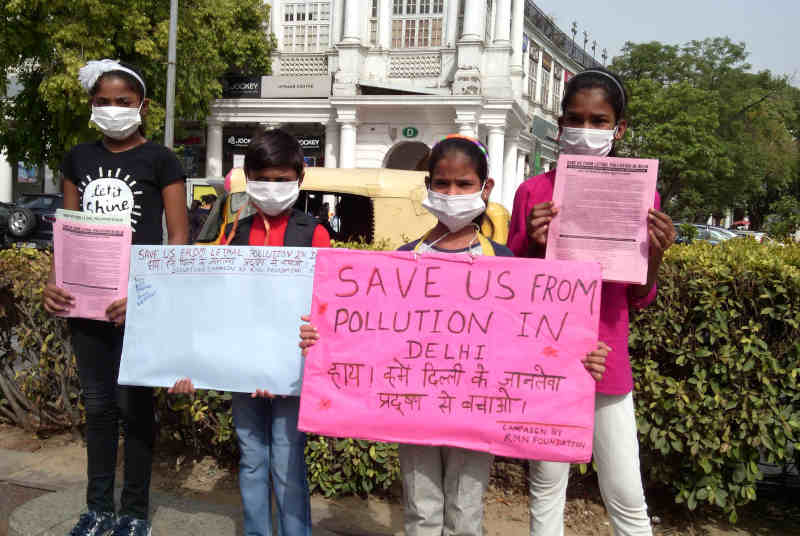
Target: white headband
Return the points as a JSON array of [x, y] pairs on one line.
[[94, 69], [619, 86]]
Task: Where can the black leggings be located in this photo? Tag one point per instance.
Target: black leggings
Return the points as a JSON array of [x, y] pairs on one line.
[[98, 348]]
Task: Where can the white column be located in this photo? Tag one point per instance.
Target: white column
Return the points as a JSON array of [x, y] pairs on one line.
[[6, 180], [337, 15], [520, 168], [517, 30], [510, 169], [451, 36], [465, 122], [347, 145], [331, 144], [214, 148], [474, 13], [467, 128], [276, 22], [352, 21], [347, 137], [502, 22], [496, 147], [385, 24]]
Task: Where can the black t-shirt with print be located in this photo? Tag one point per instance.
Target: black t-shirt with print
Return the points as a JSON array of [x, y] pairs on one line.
[[129, 182]]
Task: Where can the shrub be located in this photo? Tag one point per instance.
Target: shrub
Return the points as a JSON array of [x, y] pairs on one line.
[[38, 375], [716, 363]]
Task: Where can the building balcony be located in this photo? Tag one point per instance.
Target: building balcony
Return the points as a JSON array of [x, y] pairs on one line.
[[413, 64]]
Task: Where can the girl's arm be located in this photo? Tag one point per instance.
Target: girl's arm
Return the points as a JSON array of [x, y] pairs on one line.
[[58, 300], [662, 235], [174, 197]]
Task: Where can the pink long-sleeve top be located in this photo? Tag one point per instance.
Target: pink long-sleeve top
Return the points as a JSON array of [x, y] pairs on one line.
[[615, 297]]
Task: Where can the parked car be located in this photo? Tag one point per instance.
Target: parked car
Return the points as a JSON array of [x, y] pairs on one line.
[[707, 233], [758, 236], [29, 222], [5, 210]]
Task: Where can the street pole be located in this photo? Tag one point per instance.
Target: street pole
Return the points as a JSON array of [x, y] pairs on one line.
[[169, 127]]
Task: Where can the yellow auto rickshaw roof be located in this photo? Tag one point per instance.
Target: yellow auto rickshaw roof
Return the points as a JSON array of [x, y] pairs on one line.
[[373, 182]]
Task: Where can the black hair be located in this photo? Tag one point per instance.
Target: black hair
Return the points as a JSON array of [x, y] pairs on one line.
[[597, 77], [130, 80], [274, 148], [470, 149]]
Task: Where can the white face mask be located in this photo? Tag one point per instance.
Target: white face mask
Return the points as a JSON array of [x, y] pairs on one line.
[[455, 211], [586, 141], [273, 197], [116, 122]]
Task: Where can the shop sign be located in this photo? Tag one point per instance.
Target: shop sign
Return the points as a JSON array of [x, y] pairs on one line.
[[241, 87], [410, 132], [237, 141], [309, 143], [295, 87]]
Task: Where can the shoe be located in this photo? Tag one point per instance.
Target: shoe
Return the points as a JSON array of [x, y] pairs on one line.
[[94, 524], [131, 526]]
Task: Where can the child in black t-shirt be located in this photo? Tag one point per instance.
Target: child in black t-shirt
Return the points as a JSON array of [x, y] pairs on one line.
[[123, 173]]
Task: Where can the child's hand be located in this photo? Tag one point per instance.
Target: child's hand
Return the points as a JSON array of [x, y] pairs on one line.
[[308, 335], [262, 393], [662, 233], [595, 361], [182, 387], [116, 311], [539, 222], [57, 300]]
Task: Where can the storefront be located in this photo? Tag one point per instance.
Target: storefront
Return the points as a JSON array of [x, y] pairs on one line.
[[236, 138]]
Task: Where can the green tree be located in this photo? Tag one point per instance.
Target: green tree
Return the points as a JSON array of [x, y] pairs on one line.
[[725, 136], [45, 42]]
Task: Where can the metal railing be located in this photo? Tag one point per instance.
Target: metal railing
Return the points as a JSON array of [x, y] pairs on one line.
[[537, 18]]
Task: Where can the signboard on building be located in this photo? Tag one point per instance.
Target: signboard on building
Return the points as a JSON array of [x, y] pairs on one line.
[[547, 61], [410, 132], [241, 141], [235, 141], [237, 87], [310, 143], [544, 129], [295, 87]]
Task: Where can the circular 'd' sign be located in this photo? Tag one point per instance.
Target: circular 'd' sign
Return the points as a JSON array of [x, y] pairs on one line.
[[410, 132]]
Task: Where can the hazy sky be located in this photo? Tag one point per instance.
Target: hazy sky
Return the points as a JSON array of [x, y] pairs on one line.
[[769, 28]]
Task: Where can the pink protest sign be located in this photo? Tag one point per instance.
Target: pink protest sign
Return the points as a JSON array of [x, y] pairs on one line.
[[480, 353]]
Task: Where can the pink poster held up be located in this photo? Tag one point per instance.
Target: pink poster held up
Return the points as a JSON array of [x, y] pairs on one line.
[[603, 204], [91, 257], [480, 353]]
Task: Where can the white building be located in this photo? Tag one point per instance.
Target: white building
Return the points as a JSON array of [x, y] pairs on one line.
[[375, 83]]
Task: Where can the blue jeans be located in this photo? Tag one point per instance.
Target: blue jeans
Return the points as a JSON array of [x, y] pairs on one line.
[[273, 461]]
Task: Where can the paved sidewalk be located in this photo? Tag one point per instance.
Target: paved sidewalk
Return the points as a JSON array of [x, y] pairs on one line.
[[63, 472]]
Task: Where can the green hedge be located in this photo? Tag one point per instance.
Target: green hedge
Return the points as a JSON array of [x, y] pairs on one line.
[[716, 360], [716, 363]]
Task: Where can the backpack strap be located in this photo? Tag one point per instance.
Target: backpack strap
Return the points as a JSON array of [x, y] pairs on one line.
[[300, 229]]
